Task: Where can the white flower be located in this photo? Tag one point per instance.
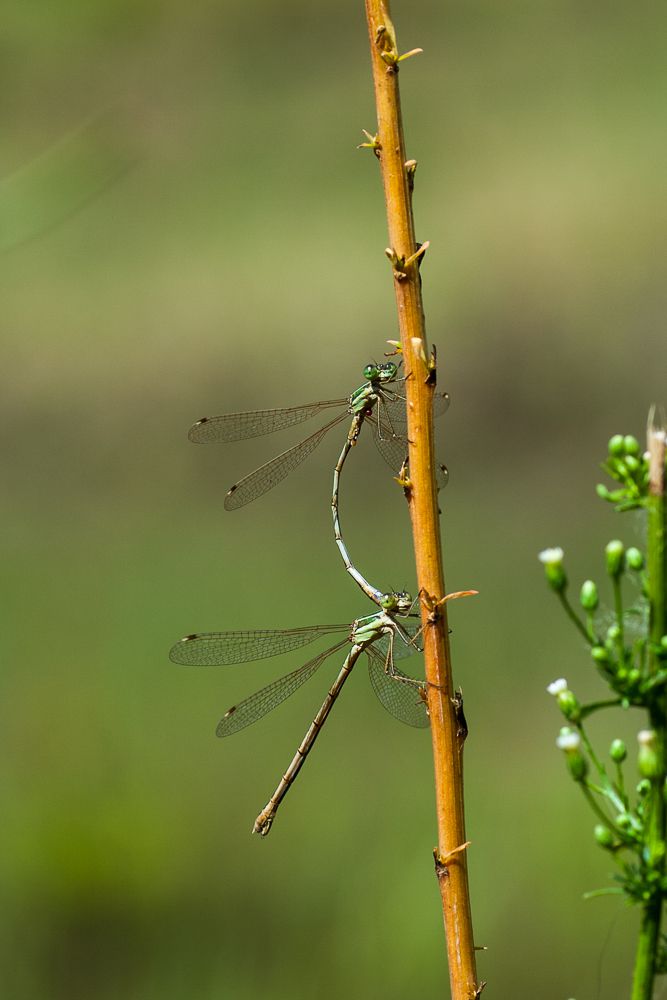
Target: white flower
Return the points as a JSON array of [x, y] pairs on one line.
[[568, 740], [646, 737], [557, 686], [549, 556]]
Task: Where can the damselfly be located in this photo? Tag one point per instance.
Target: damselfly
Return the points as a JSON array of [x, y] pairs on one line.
[[380, 636], [375, 400]]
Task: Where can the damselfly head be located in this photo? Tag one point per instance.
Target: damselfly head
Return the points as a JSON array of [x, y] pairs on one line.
[[399, 603], [384, 372]]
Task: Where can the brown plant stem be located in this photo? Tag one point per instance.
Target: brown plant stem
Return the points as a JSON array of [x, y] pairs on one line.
[[448, 728]]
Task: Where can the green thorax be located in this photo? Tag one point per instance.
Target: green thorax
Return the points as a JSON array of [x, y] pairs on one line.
[[366, 396]]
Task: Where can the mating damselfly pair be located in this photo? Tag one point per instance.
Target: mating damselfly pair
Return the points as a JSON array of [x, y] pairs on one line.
[[382, 636]]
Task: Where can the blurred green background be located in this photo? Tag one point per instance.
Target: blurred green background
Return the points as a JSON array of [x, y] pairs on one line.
[[187, 228]]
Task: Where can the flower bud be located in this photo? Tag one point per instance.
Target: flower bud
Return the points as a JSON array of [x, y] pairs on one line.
[[618, 751], [589, 595], [567, 701], [643, 788], [631, 445], [553, 568], [600, 655], [614, 553], [624, 821], [616, 445], [604, 836], [648, 762], [634, 559], [569, 706], [613, 634], [570, 743], [602, 491], [632, 464]]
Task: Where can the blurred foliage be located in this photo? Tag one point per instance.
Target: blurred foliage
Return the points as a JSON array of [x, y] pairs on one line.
[[239, 264]]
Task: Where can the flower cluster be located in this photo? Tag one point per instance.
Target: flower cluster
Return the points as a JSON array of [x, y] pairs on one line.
[[620, 650], [627, 466], [632, 660]]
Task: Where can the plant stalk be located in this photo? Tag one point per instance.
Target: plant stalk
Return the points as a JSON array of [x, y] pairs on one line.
[[656, 550], [448, 728]]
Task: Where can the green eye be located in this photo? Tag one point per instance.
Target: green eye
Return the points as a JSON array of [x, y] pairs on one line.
[[371, 372]]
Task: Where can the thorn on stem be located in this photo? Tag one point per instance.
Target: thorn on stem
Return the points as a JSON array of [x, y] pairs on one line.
[[372, 143], [459, 715], [442, 862], [432, 372], [404, 481], [410, 169], [433, 605], [400, 264]]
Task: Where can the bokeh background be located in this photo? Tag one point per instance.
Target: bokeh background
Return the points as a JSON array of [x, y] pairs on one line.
[[188, 228]]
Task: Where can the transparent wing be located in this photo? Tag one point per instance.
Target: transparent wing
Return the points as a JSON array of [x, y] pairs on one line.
[[271, 473], [391, 406], [269, 697], [254, 423], [214, 648], [394, 450], [402, 649], [399, 694]]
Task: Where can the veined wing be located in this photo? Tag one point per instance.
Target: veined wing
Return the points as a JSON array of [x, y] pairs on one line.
[[271, 473], [398, 693], [254, 423], [269, 697], [391, 409], [394, 450], [402, 649], [214, 648]]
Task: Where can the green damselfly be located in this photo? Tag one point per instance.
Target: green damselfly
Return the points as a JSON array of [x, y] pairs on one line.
[[381, 636], [374, 401]]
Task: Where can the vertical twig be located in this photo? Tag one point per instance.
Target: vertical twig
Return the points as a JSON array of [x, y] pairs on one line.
[[448, 728], [656, 551]]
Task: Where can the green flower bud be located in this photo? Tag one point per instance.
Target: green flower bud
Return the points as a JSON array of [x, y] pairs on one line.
[[602, 491], [623, 821], [663, 641], [600, 655], [613, 634], [632, 464], [631, 445], [634, 559], [643, 788], [648, 762], [569, 706], [618, 751], [616, 445], [553, 568], [567, 701], [570, 743], [614, 553], [589, 596], [604, 836]]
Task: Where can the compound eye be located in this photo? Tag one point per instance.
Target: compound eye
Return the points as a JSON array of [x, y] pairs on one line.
[[371, 372], [388, 602], [404, 601], [389, 371]]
